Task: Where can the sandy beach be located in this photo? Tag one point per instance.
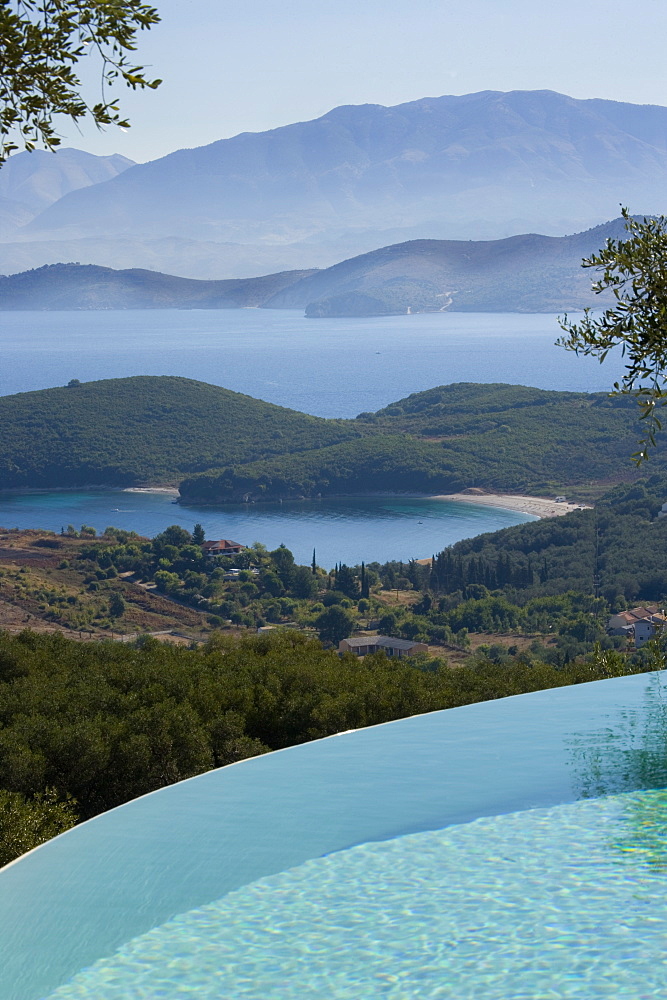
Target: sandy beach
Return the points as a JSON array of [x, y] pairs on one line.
[[170, 490], [539, 506]]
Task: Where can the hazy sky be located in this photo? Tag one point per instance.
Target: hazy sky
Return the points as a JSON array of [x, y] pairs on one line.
[[231, 67]]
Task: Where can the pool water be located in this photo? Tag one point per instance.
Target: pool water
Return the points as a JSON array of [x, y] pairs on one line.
[[567, 902], [512, 849]]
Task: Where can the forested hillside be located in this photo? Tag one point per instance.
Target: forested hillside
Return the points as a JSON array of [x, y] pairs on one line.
[[622, 543], [452, 437], [145, 430], [223, 446]]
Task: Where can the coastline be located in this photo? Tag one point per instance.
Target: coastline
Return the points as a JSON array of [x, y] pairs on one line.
[[96, 487], [171, 490], [538, 506]]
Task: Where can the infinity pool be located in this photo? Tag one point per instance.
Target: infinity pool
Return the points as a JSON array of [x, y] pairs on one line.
[[512, 850]]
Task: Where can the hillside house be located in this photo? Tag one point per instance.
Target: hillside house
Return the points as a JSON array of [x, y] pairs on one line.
[[641, 623], [222, 547], [647, 629], [624, 620], [364, 645]]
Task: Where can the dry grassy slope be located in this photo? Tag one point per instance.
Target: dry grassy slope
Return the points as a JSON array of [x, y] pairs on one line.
[[37, 581]]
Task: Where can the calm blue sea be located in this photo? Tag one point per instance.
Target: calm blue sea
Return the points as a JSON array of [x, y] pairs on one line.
[[328, 367], [345, 530]]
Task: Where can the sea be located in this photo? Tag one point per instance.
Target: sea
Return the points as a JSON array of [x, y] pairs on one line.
[[327, 367]]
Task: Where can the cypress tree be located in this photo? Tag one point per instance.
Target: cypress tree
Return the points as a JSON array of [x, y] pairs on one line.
[[364, 581]]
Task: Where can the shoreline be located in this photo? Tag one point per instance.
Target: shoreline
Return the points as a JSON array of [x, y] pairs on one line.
[[88, 488], [170, 490], [540, 507]]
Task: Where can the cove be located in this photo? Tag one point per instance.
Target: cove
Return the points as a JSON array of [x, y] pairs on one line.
[[347, 529]]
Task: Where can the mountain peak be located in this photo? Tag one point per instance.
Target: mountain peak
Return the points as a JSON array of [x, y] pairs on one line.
[[481, 166]]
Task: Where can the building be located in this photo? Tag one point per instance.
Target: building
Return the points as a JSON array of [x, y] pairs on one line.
[[223, 547], [647, 629], [624, 620], [641, 623], [364, 645]]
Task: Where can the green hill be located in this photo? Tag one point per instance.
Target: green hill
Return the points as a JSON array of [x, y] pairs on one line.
[[621, 542], [223, 446], [146, 430], [496, 436]]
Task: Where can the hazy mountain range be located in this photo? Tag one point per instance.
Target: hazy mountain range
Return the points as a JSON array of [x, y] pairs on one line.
[[528, 273], [482, 166], [89, 286], [30, 182]]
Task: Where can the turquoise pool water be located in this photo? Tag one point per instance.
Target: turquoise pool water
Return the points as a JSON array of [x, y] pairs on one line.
[[561, 902], [509, 849]]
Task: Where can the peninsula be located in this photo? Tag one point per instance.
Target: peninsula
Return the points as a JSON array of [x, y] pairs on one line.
[[219, 446]]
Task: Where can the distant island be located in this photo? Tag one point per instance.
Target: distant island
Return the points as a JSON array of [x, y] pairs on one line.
[[528, 273], [220, 446]]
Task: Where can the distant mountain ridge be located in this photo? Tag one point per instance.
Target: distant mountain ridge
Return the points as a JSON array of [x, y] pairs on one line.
[[87, 286], [30, 182], [483, 165], [528, 273]]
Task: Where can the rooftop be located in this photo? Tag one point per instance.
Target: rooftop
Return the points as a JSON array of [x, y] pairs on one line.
[[382, 640]]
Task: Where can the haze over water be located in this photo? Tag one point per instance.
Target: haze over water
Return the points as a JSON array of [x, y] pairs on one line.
[[327, 367]]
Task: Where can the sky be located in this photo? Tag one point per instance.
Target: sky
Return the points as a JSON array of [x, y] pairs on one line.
[[230, 67]]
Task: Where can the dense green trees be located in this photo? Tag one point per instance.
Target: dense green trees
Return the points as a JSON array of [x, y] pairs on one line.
[[620, 543], [28, 822], [224, 446], [334, 624], [146, 430], [104, 722], [440, 441]]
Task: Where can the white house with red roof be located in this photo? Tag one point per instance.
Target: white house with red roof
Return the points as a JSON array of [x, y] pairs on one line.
[[641, 623]]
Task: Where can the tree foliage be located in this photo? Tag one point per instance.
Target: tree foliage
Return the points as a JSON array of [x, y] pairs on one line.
[[620, 542], [26, 823], [159, 430], [635, 271], [43, 42], [105, 722], [146, 429]]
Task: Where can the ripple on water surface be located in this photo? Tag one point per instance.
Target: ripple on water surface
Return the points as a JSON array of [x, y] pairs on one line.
[[567, 902]]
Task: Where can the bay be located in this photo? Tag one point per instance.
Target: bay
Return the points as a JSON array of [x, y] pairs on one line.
[[345, 530], [331, 368], [327, 367]]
